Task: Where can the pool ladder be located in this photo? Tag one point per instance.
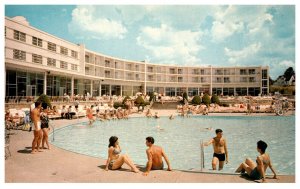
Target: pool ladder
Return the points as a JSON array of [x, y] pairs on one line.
[[50, 124], [201, 155]]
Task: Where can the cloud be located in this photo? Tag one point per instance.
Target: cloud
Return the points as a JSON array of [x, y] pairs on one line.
[[287, 63], [83, 20], [167, 45], [130, 14], [257, 24], [221, 30], [225, 24], [180, 17], [229, 20], [239, 55]]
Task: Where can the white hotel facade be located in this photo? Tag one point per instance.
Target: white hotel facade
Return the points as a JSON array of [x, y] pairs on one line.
[[37, 62]]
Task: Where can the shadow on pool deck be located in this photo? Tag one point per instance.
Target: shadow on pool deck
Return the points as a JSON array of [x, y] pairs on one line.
[[60, 166], [25, 151]]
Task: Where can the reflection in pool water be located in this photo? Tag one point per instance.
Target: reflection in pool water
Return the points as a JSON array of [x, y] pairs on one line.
[[181, 139]]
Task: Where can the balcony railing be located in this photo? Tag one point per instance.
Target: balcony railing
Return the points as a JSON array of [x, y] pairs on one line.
[[172, 72], [218, 73]]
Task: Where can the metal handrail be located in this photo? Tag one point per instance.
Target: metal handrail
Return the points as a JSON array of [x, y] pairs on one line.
[[201, 155], [50, 124]]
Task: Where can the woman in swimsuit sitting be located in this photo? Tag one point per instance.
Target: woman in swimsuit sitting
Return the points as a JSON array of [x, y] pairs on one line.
[[257, 172], [115, 159]]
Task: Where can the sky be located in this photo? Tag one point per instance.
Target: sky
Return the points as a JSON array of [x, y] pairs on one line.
[[190, 35]]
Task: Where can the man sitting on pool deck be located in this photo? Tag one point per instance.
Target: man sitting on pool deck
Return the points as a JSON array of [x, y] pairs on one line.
[[220, 149], [155, 154]]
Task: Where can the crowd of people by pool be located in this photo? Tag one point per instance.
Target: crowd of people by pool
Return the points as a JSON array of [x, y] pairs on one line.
[[155, 154], [39, 115], [104, 108]]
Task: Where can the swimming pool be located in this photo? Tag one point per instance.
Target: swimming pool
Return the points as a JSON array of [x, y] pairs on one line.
[[181, 139]]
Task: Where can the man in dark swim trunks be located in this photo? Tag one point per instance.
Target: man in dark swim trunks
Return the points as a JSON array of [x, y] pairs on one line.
[[220, 150]]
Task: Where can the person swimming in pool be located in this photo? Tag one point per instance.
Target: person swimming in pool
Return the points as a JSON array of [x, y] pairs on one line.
[[171, 117], [263, 161], [220, 150], [115, 159], [207, 129], [155, 154], [158, 128]]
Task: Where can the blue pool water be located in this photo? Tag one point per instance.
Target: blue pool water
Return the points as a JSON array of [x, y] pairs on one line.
[[181, 139]]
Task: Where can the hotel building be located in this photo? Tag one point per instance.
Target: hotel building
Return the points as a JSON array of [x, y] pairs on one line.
[[37, 62]]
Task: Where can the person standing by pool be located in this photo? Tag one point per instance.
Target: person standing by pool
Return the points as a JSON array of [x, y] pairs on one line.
[[35, 117], [45, 126], [263, 161], [249, 109], [119, 113], [148, 113], [89, 114], [115, 159], [155, 154], [220, 150]]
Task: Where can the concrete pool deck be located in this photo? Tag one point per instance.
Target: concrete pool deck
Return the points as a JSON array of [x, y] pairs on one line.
[[61, 166]]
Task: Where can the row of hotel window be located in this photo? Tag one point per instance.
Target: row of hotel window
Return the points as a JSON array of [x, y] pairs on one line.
[[179, 70], [39, 42], [130, 76], [52, 46], [21, 55]]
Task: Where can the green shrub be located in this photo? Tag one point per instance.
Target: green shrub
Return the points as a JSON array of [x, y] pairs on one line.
[[196, 100], [118, 104], [124, 100], [206, 99], [139, 101], [44, 99], [215, 99]]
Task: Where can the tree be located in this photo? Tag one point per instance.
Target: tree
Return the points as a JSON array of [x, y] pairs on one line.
[[139, 101], [196, 100], [124, 100], [289, 73], [215, 99], [118, 104], [44, 99], [206, 99]]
